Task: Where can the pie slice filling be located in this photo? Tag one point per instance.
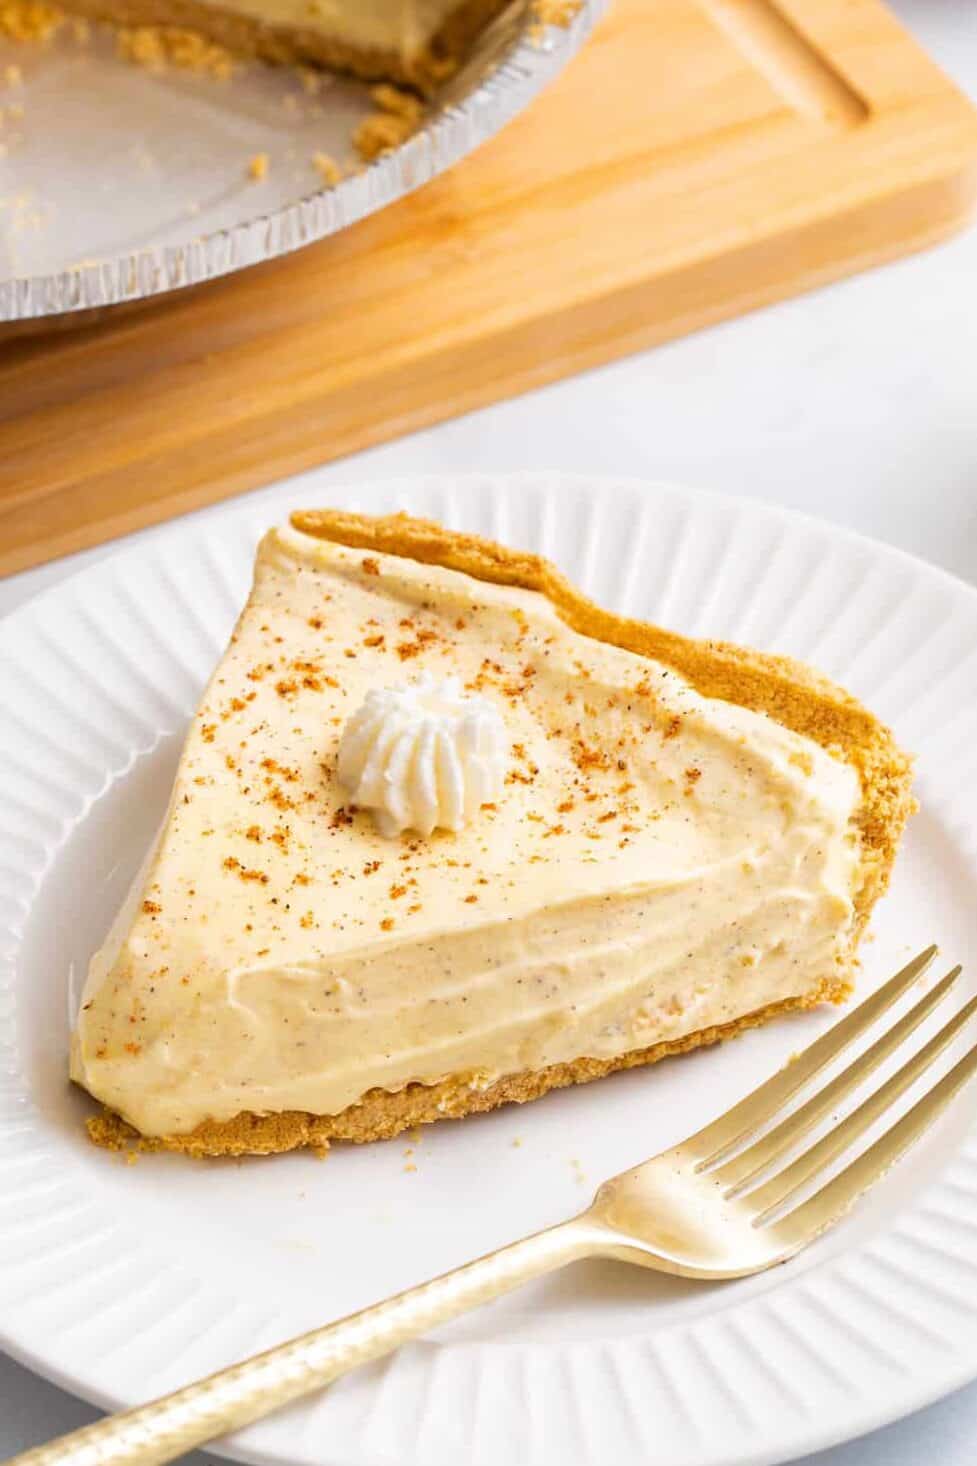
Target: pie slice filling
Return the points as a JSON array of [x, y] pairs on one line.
[[655, 864]]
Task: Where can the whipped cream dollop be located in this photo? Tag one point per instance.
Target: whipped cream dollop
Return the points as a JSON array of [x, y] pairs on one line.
[[422, 756]]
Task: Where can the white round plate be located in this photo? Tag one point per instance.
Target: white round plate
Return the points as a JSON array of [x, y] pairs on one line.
[[121, 184], [121, 1282]]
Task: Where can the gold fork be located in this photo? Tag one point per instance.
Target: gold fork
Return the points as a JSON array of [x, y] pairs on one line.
[[702, 1210]]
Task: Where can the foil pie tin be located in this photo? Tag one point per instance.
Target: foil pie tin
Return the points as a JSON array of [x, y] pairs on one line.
[[119, 184]]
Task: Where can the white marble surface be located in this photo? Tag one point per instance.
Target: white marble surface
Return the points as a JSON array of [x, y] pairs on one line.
[[857, 403]]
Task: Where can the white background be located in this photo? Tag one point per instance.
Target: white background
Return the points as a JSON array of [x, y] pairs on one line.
[[858, 403]]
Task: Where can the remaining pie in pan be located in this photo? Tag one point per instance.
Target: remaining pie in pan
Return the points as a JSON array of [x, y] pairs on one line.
[[445, 834], [416, 42]]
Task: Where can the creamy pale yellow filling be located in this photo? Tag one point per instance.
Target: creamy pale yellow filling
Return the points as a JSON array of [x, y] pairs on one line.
[[657, 862], [401, 27]]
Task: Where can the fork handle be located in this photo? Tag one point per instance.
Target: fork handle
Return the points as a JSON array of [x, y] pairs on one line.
[[245, 1392]]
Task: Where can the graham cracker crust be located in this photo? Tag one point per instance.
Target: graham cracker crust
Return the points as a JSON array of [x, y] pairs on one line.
[[788, 691]]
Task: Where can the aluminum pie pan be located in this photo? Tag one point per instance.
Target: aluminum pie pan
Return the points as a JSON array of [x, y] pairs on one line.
[[109, 191]]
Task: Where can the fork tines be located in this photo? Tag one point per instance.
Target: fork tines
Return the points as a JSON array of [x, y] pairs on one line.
[[724, 1149]]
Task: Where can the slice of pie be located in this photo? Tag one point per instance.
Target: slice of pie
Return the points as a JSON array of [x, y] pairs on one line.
[[445, 834], [415, 42]]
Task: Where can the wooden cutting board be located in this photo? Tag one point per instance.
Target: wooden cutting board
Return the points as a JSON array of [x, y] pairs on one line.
[[699, 158]]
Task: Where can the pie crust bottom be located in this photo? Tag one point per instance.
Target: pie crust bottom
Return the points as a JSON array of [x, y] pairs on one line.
[[380, 1114]]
